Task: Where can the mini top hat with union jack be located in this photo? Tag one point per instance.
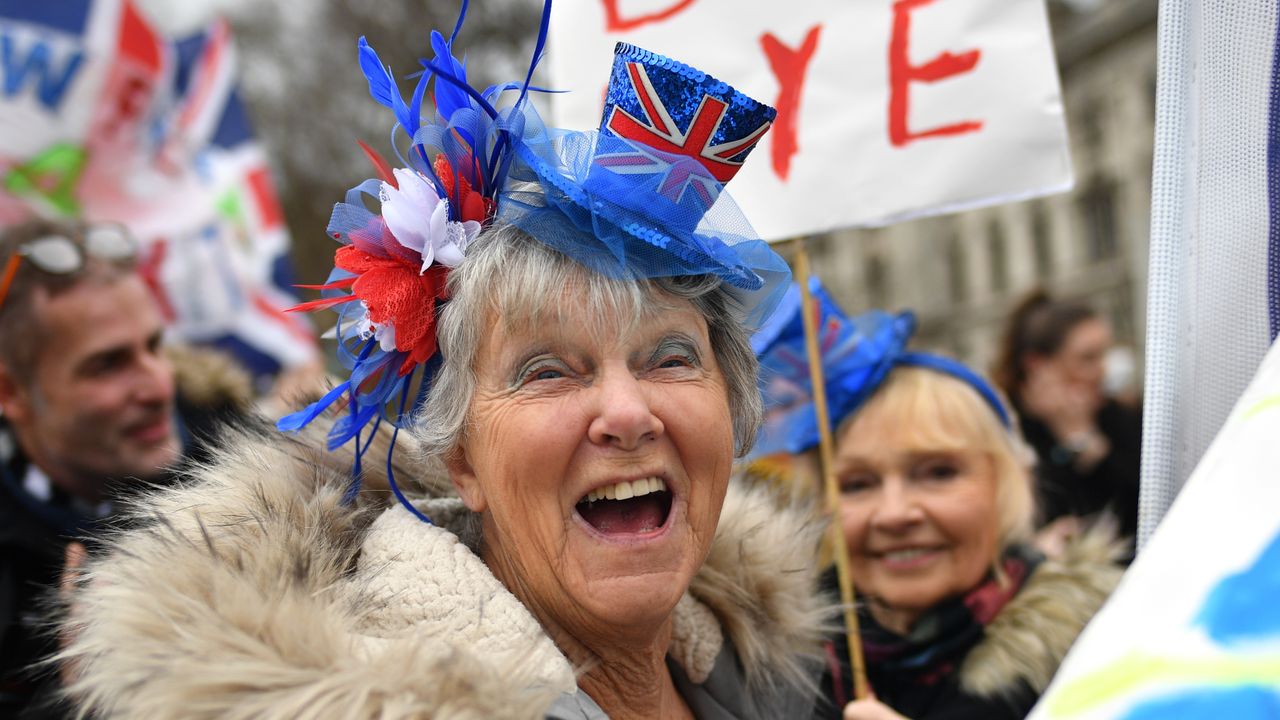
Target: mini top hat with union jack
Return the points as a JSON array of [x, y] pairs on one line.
[[639, 198]]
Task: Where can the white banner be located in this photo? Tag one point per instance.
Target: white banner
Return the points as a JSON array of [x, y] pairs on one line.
[[886, 110]]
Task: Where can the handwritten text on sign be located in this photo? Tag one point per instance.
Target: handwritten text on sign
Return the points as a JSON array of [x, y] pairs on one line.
[[886, 110]]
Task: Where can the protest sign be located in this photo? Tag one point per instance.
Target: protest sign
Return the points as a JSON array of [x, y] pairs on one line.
[[886, 111]]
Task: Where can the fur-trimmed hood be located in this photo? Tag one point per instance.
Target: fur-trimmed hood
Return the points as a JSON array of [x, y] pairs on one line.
[[209, 378], [252, 591], [1027, 641]]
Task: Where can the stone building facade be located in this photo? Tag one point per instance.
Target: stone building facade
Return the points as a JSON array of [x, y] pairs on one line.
[[962, 273]]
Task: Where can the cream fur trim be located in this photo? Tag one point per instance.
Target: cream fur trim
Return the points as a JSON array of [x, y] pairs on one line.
[[420, 580], [253, 592], [208, 377], [1032, 634]]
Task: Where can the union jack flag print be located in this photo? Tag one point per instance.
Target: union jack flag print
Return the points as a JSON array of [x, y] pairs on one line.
[[683, 159]]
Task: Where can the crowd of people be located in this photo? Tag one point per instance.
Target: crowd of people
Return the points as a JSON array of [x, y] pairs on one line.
[[536, 490]]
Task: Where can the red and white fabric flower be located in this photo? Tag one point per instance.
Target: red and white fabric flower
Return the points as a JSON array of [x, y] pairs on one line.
[[419, 220]]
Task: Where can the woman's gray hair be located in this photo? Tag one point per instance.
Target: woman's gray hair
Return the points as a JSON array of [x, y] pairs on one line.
[[511, 280]]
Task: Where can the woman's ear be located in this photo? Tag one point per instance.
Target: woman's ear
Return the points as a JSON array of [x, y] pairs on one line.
[[464, 479]]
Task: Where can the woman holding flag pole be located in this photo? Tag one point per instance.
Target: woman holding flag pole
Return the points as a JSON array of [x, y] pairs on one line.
[[959, 616]]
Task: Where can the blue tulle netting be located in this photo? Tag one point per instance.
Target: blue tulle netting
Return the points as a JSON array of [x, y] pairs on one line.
[[857, 353], [621, 225]]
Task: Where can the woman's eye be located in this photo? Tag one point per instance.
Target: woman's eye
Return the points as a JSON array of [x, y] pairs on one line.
[[542, 372], [856, 484], [939, 471], [673, 353]]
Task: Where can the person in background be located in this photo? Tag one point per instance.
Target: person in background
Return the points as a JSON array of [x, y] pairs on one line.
[[1052, 365], [88, 408], [166, 148], [960, 617]]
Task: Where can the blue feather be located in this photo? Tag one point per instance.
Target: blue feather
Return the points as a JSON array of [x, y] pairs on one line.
[[367, 367], [461, 86], [415, 105], [457, 27], [499, 174], [391, 474], [349, 426], [395, 487], [537, 49], [380, 82], [357, 476], [382, 85], [494, 90], [449, 96], [300, 419]]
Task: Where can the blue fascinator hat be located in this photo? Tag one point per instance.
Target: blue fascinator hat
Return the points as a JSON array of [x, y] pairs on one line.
[[857, 356], [641, 197]]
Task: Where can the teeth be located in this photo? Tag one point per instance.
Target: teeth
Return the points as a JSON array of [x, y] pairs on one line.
[[628, 490], [911, 554]]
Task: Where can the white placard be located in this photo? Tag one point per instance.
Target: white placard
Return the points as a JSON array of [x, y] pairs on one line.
[[864, 137]]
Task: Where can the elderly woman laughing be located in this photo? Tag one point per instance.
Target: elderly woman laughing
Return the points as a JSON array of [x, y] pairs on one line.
[[598, 450], [560, 324]]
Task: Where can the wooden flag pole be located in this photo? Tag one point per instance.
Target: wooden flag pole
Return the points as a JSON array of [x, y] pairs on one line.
[[826, 450]]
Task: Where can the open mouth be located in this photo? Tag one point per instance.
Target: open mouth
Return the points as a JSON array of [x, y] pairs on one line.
[[627, 508]]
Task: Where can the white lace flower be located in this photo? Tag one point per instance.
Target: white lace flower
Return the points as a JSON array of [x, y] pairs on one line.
[[385, 334], [419, 220]]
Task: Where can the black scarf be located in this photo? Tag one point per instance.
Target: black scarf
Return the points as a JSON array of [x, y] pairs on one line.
[[938, 641]]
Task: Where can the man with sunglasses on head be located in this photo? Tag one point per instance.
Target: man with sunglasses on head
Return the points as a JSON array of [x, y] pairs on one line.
[[87, 412]]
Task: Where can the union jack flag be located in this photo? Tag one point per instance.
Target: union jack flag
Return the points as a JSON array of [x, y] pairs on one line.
[[683, 158]]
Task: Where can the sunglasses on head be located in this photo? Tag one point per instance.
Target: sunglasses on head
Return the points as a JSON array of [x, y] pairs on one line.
[[58, 254]]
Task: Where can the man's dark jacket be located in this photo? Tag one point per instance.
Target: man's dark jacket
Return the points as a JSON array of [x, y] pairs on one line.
[[34, 535]]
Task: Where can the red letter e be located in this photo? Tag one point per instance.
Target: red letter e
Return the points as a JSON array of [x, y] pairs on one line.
[[902, 73]]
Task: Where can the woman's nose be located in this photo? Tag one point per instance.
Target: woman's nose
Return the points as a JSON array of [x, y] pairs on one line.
[[623, 417], [897, 510]]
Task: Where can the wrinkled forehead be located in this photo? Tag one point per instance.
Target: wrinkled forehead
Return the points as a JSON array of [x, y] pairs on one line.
[[584, 313]]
